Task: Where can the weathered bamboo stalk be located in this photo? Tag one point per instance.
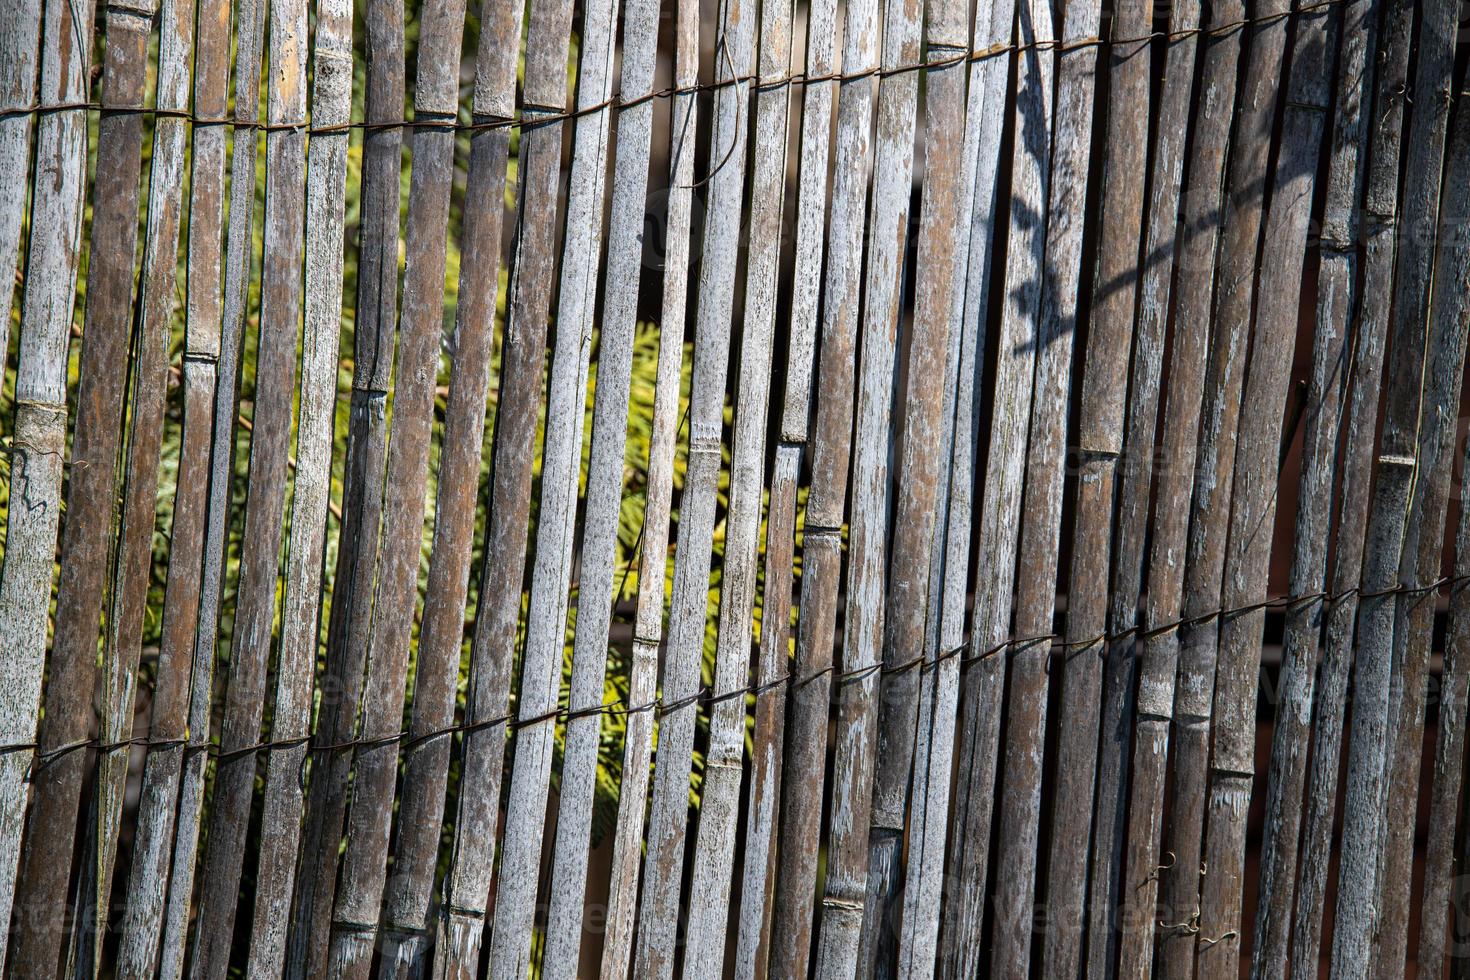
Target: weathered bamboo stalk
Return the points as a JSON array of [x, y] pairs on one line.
[[20, 25], [1334, 326], [1136, 909], [87, 540], [1450, 318], [217, 336], [407, 934], [350, 621], [720, 801], [129, 594], [663, 866], [653, 558], [804, 758], [948, 590], [922, 514], [364, 861], [326, 185], [1253, 500], [38, 440], [1051, 341], [1420, 564], [159, 797], [768, 188], [546, 623], [1380, 236], [523, 361], [280, 313], [595, 596], [1240, 226], [1000, 516], [1092, 609], [893, 715], [1392, 534]]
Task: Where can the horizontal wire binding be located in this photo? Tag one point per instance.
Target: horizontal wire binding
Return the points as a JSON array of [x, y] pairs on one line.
[[618, 103], [1057, 646]]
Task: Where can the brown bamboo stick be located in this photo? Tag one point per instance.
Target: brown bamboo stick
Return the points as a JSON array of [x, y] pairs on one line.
[[522, 840], [1335, 304], [407, 932], [38, 440], [522, 364], [1380, 238], [1093, 609], [893, 712], [87, 541], [1391, 533], [20, 25], [668, 820], [720, 802], [217, 337], [1046, 454], [364, 861], [804, 757], [653, 558], [1240, 227], [138, 953], [1168, 236], [934, 748], [280, 313], [280, 835], [350, 621], [1253, 500], [927, 436], [129, 594]]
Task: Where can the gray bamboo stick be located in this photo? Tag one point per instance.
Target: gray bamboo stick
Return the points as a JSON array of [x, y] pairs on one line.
[[804, 757], [1424, 532], [715, 840], [1093, 610], [350, 621], [20, 25], [522, 364], [1335, 309], [38, 440], [280, 313], [364, 861], [1051, 341], [934, 748], [407, 933], [667, 825], [1439, 860], [595, 595], [1137, 907], [1253, 500], [653, 558], [87, 540], [897, 694], [1392, 535], [217, 332], [546, 623], [1380, 237], [1240, 227], [1449, 321], [159, 797], [326, 185]]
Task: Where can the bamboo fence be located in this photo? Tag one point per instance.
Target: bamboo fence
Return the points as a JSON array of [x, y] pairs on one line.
[[752, 488]]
